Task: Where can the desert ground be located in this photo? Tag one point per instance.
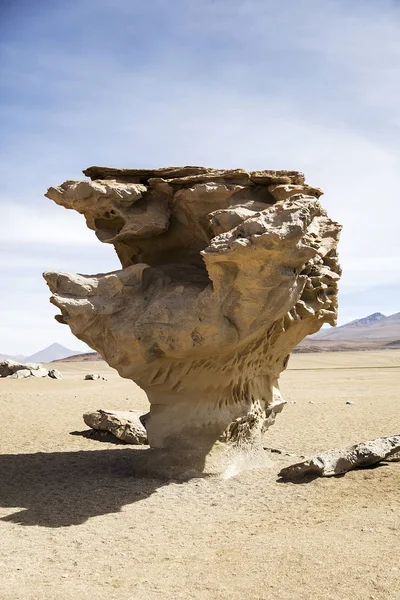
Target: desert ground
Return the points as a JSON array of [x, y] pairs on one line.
[[75, 521]]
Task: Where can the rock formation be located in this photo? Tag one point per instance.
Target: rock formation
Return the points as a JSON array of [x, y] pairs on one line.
[[223, 273], [15, 370]]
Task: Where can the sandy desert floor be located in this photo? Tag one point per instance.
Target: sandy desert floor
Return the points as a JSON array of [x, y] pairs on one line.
[[75, 522]]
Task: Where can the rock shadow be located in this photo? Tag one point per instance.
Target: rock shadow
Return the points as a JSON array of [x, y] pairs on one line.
[[99, 436], [59, 489]]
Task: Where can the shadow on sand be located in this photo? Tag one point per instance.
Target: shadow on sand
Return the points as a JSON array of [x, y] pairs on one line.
[[59, 489], [99, 436]]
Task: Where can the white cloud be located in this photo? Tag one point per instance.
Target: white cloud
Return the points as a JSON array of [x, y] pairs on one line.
[[25, 224]]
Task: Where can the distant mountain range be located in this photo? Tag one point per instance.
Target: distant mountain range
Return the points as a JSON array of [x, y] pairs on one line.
[[17, 357], [375, 331], [53, 352]]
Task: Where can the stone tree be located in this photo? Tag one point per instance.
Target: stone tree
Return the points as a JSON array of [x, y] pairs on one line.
[[223, 273]]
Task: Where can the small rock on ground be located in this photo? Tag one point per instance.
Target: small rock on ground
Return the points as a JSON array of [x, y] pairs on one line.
[[337, 462], [93, 376], [124, 425], [55, 374]]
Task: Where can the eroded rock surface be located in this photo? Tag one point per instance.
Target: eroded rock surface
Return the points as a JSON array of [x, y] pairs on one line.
[[125, 425], [337, 462], [223, 273]]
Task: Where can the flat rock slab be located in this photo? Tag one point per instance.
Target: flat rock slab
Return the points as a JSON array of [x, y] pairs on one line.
[[337, 462], [124, 425]]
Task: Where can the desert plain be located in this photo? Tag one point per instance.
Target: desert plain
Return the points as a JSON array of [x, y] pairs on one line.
[[77, 521]]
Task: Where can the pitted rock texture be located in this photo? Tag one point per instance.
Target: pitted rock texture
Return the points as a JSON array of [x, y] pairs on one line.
[[223, 274]]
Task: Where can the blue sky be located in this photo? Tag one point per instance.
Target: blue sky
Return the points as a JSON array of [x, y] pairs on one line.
[[312, 85]]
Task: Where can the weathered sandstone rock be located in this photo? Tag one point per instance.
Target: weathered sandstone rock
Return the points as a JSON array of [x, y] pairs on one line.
[[223, 273], [9, 367], [92, 376], [125, 425], [15, 370], [55, 374], [337, 462]]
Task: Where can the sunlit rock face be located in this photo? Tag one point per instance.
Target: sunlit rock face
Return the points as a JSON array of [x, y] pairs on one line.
[[223, 274]]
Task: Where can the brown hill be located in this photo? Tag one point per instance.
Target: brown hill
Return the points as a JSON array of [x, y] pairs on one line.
[[87, 356]]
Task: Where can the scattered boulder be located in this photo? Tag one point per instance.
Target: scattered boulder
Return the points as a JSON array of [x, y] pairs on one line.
[[337, 462], [93, 376], [9, 367], [16, 370], [55, 374], [124, 425]]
